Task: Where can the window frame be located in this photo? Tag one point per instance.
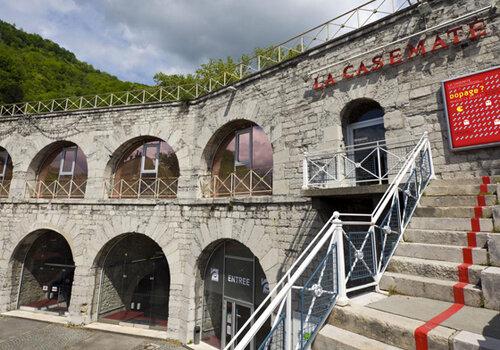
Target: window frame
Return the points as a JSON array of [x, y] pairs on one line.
[[239, 133], [61, 163], [145, 147]]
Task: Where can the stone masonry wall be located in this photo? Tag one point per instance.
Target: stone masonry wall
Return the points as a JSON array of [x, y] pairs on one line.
[[295, 118]]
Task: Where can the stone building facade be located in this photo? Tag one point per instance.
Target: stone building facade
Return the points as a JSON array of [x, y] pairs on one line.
[[296, 118]]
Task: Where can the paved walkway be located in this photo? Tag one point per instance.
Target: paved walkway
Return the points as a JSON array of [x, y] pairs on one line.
[[23, 334]]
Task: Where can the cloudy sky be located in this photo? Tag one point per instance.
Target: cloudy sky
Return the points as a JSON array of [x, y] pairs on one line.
[[134, 39]]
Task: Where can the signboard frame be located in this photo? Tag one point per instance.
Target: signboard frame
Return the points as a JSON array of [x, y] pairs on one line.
[[445, 107]]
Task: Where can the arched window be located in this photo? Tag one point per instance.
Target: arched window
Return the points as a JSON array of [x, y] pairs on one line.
[[148, 169], [364, 133], [47, 272], [63, 173], [243, 163], [234, 286], [5, 173], [134, 282]]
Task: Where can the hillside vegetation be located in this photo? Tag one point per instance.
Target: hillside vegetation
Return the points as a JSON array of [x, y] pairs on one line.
[[33, 68]]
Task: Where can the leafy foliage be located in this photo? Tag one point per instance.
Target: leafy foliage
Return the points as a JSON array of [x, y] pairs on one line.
[[33, 68]]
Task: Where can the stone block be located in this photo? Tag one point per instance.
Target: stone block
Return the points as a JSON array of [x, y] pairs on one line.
[[490, 283], [496, 217], [394, 120], [493, 243]]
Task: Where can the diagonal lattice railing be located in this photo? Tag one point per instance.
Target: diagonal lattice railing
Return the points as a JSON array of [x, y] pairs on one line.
[[56, 189], [346, 255], [156, 187], [255, 182], [353, 19]]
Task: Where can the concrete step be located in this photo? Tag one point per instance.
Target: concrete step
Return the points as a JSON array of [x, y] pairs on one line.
[[440, 252], [453, 224], [452, 212], [430, 288], [331, 337], [441, 270], [457, 238], [457, 190], [386, 327], [455, 201]]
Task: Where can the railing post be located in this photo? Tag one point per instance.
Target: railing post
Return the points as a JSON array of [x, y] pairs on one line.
[[305, 173], [379, 165], [288, 321], [431, 163], [342, 299]]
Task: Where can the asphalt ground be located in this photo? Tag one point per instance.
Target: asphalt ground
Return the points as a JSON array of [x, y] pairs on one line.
[[24, 334]]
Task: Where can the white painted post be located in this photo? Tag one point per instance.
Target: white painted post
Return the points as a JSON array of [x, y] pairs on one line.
[[288, 321], [342, 299], [305, 173]]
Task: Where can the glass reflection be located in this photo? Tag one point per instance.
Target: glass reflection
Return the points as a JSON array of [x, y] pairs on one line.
[[148, 170], [63, 174], [5, 173], [243, 164]]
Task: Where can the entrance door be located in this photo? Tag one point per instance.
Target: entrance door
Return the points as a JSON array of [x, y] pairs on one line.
[[366, 142], [235, 314]]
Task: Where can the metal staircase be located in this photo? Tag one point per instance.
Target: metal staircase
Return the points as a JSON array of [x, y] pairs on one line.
[[345, 256]]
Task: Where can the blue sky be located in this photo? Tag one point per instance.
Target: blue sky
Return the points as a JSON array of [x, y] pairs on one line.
[[135, 39]]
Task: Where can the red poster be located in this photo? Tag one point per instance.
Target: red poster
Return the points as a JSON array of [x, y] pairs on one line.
[[472, 108]]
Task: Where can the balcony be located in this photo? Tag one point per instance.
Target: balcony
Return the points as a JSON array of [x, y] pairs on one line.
[[373, 163], [56, 189], [257, 182], [143, 188]]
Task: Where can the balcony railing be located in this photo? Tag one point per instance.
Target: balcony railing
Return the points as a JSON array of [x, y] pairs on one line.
[[143, 188], [4, 188], [251, 183], [56, 189], [362, 164]]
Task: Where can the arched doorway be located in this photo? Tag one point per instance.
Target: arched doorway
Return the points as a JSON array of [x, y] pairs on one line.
[[364, 136], [234, 286], [6, 169], [242, 161], [134, 282], [147, 168], [60, 172], [47, 272]]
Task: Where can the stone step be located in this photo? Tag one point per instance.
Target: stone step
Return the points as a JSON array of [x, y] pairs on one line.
[[455, 201], [331, 337], [452, 212], [386, 327], [430, 288], [457, 238], [457, 190], [440, 252], [464, 181], [441, 270], [453, 224]]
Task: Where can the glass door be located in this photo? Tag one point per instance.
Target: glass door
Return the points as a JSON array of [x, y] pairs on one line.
[[235, 314], [366, 144]]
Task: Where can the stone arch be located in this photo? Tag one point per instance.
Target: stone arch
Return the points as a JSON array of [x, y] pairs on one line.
[[41, 269], [356, 108], [133, 280], [212, 266], [218, 136]]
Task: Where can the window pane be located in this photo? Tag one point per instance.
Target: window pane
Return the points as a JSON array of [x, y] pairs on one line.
[[151, 154], [262, 150], [69, 159], [244, 148]]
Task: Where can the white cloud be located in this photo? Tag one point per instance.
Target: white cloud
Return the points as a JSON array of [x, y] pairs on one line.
[[135, 39]]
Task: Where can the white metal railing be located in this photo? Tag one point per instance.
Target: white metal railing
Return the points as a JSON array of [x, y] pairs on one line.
[[56, 188], [248, 183], [322, 275], [367, 163], [353, 19], [143, 188], [4, 188]]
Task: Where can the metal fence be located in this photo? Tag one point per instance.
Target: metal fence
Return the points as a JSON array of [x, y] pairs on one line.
[[353, 19], [4, 188], [248, 183], [368, 163], [56, 189], [143, 188]]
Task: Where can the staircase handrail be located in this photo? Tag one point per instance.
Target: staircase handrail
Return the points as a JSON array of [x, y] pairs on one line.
[[332, 231]]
